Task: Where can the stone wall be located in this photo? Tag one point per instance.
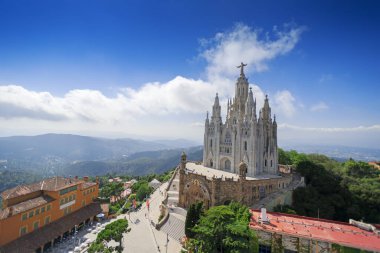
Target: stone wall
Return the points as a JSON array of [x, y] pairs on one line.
[[218, 191], [281, 242]]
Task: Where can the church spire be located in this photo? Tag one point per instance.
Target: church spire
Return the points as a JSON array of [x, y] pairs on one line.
[[249, 104], [216, 108], [266, 109]]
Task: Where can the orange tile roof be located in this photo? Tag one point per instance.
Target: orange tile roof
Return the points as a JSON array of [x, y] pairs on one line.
[[88, 184], [49, 184], [24, 206], [318, 229]]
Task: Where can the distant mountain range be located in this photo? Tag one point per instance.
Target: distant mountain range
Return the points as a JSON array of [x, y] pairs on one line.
[[51, 153], [75, 147], [29, 158]]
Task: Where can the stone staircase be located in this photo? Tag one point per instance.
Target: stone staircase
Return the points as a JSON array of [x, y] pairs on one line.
[[173, 194], [175, 226]]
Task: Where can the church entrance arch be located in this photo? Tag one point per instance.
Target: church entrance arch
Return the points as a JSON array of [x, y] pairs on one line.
[[225, 164], [195, 191]]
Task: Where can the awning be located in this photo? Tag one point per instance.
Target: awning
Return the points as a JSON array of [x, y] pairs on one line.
[[101, 215]]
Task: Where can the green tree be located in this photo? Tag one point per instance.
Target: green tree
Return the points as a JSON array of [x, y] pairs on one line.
[[224, 229], [143, 191], [137, 185], [283, 157], [193, 215], [111, 189], [113, 231]]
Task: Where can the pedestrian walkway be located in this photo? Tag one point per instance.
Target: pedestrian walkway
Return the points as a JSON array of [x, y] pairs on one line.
[[143, 237]]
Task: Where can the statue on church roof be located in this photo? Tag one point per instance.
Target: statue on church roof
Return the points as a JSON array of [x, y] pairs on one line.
[[241, 66]]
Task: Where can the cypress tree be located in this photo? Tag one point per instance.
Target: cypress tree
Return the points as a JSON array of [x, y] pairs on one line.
[[189, 221]]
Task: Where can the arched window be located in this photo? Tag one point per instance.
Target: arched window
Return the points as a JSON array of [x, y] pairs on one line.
[[211, 143], [265, 162], [245, 146], [271, 164], [211, 163]]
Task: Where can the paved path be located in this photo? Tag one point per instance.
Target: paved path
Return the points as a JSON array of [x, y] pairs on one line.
[[143, 237]]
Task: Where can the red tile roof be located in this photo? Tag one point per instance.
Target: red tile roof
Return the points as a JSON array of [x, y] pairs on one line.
[[49, 184], [318, 229]]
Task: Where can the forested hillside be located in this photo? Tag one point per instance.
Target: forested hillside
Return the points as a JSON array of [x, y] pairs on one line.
[[335, 190], [141, 163]]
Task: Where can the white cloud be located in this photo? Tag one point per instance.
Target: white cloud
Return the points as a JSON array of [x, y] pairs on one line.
[[321, 106], [285, 103], [243, 44], [356, 136], [155, 107], [330, 129]]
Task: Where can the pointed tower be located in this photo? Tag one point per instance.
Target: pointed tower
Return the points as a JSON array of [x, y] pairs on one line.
[[216, 110], [266, 109], [249, 105], [241, 91]]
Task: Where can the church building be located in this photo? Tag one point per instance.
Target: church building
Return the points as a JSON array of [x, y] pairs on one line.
[[239, 159], [243, 136]]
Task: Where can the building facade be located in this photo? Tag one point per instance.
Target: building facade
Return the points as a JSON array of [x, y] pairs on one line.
[[213, 187], [242, 136], [35, 215]]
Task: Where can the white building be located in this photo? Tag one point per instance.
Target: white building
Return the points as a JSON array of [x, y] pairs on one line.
[[243, 136]]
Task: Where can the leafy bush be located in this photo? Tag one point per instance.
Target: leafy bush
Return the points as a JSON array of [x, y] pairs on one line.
[[224, 229], [113, 231], [335, 190]]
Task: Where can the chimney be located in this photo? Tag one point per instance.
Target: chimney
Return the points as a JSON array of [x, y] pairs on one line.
[[10, 211], [97, 180], [263, 215], [85, 178]]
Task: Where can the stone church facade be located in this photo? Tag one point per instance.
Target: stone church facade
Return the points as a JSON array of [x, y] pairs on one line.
[[240, 160], [242, 136], [196, 185]]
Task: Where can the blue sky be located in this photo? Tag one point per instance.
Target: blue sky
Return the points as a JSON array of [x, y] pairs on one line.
[[151, 68]]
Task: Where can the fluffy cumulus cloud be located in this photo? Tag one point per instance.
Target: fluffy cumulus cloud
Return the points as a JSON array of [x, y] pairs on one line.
[[157, 104], [284, 103], [226, 50]]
